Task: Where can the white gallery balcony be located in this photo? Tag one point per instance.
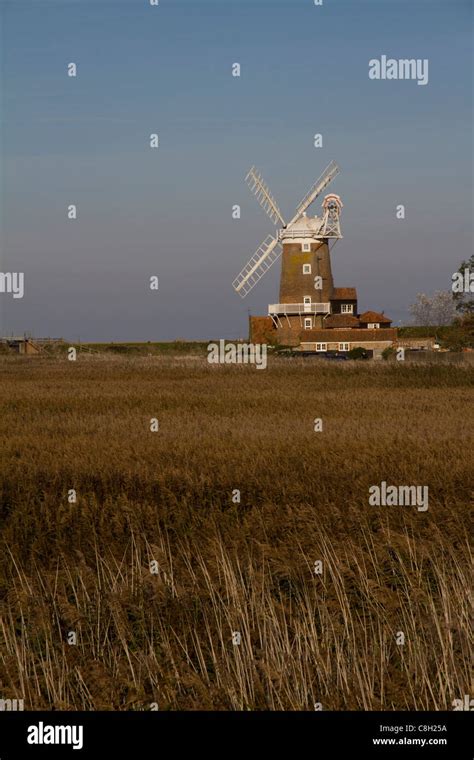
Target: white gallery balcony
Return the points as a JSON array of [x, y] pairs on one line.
[[298, 308]]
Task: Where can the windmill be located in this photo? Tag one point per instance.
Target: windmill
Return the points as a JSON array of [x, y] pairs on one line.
[[312, 314], [319, 229]]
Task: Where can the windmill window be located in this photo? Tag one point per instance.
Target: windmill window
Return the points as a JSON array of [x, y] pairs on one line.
[[321, 346], [373, 325], [347, 308], [306, 268], [306, 247], [308, 323]]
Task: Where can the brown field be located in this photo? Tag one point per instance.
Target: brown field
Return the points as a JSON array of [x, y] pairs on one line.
[[166, 638]]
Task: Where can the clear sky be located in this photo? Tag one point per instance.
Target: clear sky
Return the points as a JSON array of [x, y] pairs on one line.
[[167, 212]]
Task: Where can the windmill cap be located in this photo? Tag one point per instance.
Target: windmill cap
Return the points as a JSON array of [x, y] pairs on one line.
[[306, 224]]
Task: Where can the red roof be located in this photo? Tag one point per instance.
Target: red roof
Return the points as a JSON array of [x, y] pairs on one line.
[[344, 294], [341, 320], [351, 336], [374, 316]]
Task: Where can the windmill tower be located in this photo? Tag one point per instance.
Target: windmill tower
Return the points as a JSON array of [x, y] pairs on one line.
[[306, 283]]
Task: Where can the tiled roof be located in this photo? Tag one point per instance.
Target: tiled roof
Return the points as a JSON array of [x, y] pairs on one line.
[[341, 320], [331, 336], [374, 316], [341, 294]]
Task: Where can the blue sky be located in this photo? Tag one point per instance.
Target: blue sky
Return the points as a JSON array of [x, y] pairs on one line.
[[167, 212]]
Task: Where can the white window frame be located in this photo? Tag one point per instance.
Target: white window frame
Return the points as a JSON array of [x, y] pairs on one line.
[[347, 308], [306, 247], [344, 347], [373, 326], [306, 268], [308, 323], [321, 347]]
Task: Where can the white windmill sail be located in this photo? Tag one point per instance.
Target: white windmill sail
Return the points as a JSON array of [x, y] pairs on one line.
[[262, 192], [265, 255], [326, 177]]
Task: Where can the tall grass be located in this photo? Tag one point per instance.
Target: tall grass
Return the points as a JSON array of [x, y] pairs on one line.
[[165, 638]]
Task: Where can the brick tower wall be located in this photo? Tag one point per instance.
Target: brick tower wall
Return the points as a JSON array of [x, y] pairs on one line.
[[294, 284]]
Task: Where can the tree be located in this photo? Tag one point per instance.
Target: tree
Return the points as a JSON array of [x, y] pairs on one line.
[[461, 334], [462, 297], [438, 309]]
